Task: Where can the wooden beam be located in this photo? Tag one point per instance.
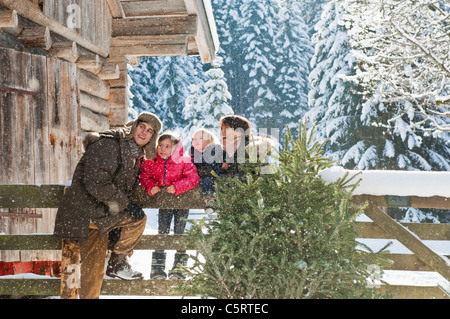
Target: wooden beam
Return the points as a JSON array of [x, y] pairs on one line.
[[155, 26], [93, 122], [18, 215], [51, 242], [205, 37], [91, 84], [94, 103], [8, 19], [154, 7], [109, 72], [31, 11], [439, 263], [36, 37], [66, 50], [414, 292], [425, 231], [51, 287], [115, 8], [30, 196], [29, 242], [406, 262], [49, 196], [151, 50], [437, 202], [162, 242], [89, 63], [136, 40]]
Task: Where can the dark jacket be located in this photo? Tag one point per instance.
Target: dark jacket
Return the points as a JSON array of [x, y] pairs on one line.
[[210, 160], [102, 183]]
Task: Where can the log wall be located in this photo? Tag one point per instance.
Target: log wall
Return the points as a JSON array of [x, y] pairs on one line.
[[40, 136]]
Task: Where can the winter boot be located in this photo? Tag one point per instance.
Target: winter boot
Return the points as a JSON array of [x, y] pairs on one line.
[[179, 262], [119, 267], [158, 266]]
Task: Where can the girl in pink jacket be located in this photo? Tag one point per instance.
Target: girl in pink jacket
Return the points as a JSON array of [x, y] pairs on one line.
[[177, 174]]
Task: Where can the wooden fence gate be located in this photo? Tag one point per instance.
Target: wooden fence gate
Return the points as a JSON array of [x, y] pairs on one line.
[[40, 137], [382, 226]]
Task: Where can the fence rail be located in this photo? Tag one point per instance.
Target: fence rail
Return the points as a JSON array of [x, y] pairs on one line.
[[381, 227]]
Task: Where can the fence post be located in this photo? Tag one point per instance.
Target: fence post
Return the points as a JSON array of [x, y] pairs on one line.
[[70, 270]]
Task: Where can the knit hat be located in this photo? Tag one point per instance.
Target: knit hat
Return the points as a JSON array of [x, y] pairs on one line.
[[154, 121]]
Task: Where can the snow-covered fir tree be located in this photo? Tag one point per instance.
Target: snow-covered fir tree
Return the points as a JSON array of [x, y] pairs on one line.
[[403, 50], [161, 85], [259, 27], [291, 78], [207, 103], [348, 118], [228, 16], [142, 85]]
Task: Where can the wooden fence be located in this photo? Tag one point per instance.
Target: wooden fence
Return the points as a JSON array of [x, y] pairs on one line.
[[382, 226]]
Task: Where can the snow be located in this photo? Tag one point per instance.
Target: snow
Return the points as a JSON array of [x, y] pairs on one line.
[[397, 183]]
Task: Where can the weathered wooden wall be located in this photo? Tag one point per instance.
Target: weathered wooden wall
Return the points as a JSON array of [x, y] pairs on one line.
[[95, 20], [40, 136]]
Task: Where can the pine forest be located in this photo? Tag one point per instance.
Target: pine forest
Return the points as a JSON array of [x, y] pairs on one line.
[[372, 77]]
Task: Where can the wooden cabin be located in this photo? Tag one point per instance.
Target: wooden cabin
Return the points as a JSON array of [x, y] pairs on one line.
[[63, 72]]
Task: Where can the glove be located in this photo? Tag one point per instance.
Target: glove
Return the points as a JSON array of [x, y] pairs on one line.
[[136, 212]]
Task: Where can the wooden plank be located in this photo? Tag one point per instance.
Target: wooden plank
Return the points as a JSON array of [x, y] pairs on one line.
[[50, 242], [28, 196], [407, 262], [49, 196], [439, 263], [414, 292], [186, 25], [426, 231], [51, 287], [30, 287], [163, 242], [152, 50], [131, 40], [150, 8], [137, 287], [204, 37], [31, 11], [29, 242], [437, 202]]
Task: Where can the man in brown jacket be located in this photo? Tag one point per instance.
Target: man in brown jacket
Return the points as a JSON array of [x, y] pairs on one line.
[[98, 201]]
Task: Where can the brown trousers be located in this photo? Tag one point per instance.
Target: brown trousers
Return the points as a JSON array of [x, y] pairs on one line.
[[93, 254]]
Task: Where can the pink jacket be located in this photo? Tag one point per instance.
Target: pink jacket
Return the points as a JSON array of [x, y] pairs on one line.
[[177, 170]]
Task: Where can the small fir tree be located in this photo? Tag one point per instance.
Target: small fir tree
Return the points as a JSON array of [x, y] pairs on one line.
[[283, 235]]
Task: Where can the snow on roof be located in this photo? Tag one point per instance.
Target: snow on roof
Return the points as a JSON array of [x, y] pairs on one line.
[[397, 183]]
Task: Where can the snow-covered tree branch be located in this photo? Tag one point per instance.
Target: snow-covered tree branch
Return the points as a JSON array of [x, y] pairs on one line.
[[403, 52]]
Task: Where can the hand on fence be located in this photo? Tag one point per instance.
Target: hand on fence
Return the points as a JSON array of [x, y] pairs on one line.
[[136, 212]]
